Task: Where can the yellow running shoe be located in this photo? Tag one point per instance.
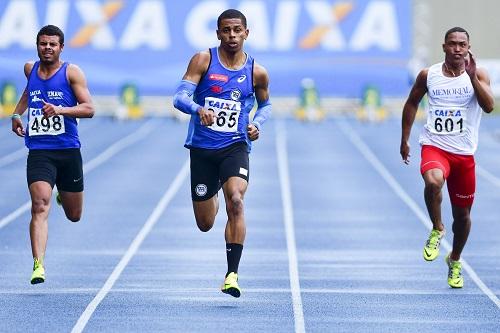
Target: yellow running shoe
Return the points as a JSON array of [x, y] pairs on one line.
[[230, 285], [455, 278], [431, 248], [38, 275]]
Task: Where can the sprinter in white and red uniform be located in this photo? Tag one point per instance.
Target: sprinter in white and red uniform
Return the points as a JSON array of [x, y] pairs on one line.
[[56, 95], [458, 93], [219, 90]]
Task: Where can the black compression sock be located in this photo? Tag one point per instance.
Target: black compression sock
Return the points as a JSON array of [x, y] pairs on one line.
[[233, 254]]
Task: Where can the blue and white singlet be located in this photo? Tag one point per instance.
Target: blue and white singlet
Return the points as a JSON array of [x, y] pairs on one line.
[[56, 132], [230, 94]]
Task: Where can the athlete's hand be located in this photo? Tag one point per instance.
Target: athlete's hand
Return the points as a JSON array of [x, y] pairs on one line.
[[207, 117], [253, 132], [17, 127], [404, 150], [470, 65], [50, 110]]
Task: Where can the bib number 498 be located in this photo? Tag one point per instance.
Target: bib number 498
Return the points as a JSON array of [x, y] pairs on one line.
[[40, 125]]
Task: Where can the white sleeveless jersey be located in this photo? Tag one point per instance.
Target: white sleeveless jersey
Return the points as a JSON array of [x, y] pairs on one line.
[[453, 115]]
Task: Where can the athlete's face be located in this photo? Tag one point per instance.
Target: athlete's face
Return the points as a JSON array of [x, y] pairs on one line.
[[232, 34], [49, 49], [456, 47]]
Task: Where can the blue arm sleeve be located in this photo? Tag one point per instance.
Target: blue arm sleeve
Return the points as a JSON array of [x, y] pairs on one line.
[[183, 98], [262, 114]]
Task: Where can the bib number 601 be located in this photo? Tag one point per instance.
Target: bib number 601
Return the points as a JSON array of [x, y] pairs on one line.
[[448, 125]]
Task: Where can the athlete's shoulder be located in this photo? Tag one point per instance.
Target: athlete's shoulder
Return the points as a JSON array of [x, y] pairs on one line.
[[74, 73], [201, 59], [198, 66], [482, 74], [28, 67], [260, 73], [422, 77]]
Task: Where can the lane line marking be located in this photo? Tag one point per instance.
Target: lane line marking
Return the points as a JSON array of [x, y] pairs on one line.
[[401, 193], [112, 150], [134, 246], [14, 156], [286, 196], [487, 175]]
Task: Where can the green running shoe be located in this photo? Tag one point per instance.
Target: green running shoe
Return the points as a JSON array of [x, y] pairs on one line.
[[431, 248], [230, 285], [58, 199], [455, 278], [38, 275]]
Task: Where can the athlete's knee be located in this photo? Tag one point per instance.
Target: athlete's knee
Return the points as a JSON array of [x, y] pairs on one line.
[[204, 224], [235, 206], [460, 219], [39, 206], [74, 218], [74, 215], [433, 187]]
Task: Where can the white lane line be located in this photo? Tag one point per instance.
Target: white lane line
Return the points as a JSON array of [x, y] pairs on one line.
[[289, 226], [380, 168], [139, 134], [14, 156], [200, 293], [487, 175], [134, 246]]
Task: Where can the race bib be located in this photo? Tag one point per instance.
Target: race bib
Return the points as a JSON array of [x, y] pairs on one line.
[[447, 120], [227, 113], [40, 125]]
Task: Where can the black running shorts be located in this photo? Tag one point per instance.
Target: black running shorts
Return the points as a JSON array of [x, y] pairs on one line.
[[62, 167], [211, 168]]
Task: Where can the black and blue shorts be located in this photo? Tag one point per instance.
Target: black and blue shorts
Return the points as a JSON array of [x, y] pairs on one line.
[[61, 167], [211, 168]]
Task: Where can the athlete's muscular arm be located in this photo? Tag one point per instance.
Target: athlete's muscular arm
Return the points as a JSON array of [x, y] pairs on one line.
[[410, 108], [481, 83], [261, 84], [85, 106], [198, 65], [22, 105]]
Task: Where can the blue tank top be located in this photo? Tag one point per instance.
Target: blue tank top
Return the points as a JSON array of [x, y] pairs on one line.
[[230, 94], [56, 132]]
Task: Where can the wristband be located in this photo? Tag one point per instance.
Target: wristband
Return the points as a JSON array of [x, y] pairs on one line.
[[15, 116]]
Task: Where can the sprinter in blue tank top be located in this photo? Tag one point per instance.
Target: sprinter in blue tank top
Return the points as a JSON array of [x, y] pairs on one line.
[[218, 91], [55, 96]]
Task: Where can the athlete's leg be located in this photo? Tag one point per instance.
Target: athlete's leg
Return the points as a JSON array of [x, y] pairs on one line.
[[205, 212], [461, 188], [234, 191], [70, 183], [434, 181], [41, 193], [461, 229], [72, 203]]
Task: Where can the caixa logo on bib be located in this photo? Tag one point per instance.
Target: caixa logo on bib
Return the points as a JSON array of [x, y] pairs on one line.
[[201, 190]]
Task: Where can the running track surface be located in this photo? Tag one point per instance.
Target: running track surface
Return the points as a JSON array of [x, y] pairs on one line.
[[335, 229]]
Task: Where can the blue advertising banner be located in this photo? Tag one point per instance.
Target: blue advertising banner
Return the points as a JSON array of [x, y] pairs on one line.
[[342, 45]]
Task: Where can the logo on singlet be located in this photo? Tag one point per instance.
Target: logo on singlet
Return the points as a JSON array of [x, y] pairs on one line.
[[235, 95], [218, 77], [241, 78], [201, 190]]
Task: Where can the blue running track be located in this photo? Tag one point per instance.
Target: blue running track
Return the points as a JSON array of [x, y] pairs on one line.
[[336, 225]]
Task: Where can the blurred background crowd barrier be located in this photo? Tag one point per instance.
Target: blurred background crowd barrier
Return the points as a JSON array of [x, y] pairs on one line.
[[324, 57]]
